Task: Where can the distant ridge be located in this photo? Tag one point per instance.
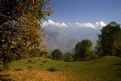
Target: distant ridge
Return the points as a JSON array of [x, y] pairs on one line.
[[65, 39]]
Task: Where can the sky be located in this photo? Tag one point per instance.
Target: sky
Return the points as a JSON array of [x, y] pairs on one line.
[[85, 12]]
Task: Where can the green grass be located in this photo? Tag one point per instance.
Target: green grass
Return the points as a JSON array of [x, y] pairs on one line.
[[102, 69]]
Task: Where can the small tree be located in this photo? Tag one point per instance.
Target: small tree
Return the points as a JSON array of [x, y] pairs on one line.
[[57, 55], [82, 49], [68, 57]]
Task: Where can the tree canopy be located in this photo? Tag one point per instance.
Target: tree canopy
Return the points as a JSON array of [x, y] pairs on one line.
[[109, 42], [82, 48], [20, 27], [68, 57], [57, 54]]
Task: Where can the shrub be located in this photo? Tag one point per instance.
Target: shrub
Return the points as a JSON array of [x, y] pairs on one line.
[[68, 57], [44, 54], [57, 54], [18, 69], [29, 61], [52, 69]]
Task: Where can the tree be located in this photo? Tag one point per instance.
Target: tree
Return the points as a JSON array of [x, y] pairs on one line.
[[68, 57], [109, 42], [20, 27], [82, 49], [57, 55]]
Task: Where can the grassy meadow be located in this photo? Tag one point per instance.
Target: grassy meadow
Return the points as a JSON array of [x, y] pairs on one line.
[[41, 69]]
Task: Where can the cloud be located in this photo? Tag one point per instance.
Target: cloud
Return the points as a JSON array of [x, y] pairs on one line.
[[100, 24], [56, 24], [87, 25], [80, 25]]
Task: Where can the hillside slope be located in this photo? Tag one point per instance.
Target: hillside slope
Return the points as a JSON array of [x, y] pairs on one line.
[[102, 69]]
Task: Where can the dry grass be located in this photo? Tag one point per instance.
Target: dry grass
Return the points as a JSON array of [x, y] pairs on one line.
[[35, 75], [101, 69]]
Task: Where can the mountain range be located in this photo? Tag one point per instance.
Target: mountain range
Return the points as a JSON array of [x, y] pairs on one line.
[[65, 39]]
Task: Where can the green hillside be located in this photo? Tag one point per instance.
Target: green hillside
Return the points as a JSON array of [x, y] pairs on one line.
[[103, 69]]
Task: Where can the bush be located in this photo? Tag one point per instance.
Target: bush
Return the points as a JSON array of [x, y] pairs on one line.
[[52, 69], [90, 55], [68, 57], [34, 52], [29, 61], [44, 54], [57, 54], [18, 69]]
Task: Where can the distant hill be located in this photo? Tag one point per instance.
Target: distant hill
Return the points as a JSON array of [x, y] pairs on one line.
[[59, 41], [65, 39]]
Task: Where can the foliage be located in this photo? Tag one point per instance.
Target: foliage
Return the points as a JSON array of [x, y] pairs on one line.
[[68, 57], [35, 52], [45, 54], [20, 28], [109, 42], [1, 68], [82, 49], [57, 54]]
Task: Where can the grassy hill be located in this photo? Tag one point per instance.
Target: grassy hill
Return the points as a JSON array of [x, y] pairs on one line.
[[40, 69]]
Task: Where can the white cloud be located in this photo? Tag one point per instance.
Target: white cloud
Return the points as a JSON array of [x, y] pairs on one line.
[[87, 25], [100, 24], [52, 23], [66, 25]]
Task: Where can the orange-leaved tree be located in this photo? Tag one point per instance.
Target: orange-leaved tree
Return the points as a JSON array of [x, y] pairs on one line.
[[20, 28]]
